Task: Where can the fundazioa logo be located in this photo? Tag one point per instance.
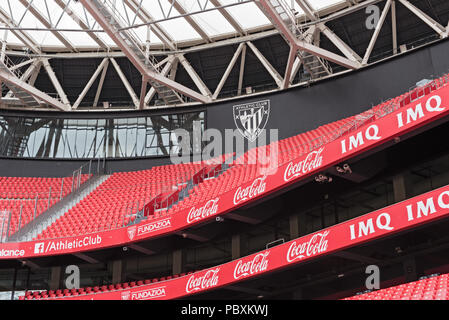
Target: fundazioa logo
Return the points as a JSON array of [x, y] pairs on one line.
[[154, 226], [152, 293]]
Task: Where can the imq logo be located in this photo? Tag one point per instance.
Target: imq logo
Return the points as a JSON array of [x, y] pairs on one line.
[[251, 118]]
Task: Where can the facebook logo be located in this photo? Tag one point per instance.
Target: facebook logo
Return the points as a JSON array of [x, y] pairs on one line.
[[39, 247]]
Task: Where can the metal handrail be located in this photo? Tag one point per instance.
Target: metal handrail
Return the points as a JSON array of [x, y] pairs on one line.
[[44, 200]]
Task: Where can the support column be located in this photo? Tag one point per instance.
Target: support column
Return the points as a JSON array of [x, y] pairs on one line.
[[400, 188], [410, 271], [294, 226], [236, 246], [297, 294], [117, 271], [55, 278], [178, 261]]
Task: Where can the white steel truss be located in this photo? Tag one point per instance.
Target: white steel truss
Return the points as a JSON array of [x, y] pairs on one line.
[[100, 19]]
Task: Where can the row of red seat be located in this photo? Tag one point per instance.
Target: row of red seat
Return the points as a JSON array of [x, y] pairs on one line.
[[115, 202], [24, 198], [60, 293], [435, 287], [125, 193], [107, 203], [431, 288]]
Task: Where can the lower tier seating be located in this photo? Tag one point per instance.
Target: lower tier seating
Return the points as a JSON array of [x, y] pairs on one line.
[[61, 293]]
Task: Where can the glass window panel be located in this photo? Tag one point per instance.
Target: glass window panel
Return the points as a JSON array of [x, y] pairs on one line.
[[92, 138]]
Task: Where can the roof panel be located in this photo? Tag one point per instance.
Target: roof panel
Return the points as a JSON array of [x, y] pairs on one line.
[[180, 29], [248, 15], [213, 23]]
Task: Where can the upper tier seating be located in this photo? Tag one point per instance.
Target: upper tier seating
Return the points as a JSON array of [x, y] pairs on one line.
[[123, 194], [17, 193], [432, 288]]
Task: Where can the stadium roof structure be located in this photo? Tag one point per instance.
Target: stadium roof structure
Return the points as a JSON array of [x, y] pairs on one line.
[[294, 42]]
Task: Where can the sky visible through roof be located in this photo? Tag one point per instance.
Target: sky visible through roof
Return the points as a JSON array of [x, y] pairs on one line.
[[248, 16]]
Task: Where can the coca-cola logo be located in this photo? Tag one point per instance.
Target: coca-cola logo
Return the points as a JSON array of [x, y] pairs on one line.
[[316, 244], [210, 208], [251, 191], [206, 281], [313, 160], [258, 264]]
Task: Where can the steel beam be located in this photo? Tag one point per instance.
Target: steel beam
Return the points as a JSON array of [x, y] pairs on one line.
[[281, 26], [228, 17], [339, 43], [376, 32], [308, 11], [90, 83], [271, 70], [164, 72], [135, 60], [30, 7], [10, 79], [23, 36], [146, 17], [242, 70], [100, 84], [228, 71], [394, 30], [125, 82], [424, 17], [54, 80], [63, 4], [295, 68], [190, 20], [194, 76], [289, 68]]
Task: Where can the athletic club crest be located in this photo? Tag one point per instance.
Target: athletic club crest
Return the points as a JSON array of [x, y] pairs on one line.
[[251, 118], [131, 232], [125, 295]]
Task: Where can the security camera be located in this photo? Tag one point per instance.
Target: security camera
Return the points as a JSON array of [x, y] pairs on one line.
[[321, 178], [344, 169]]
